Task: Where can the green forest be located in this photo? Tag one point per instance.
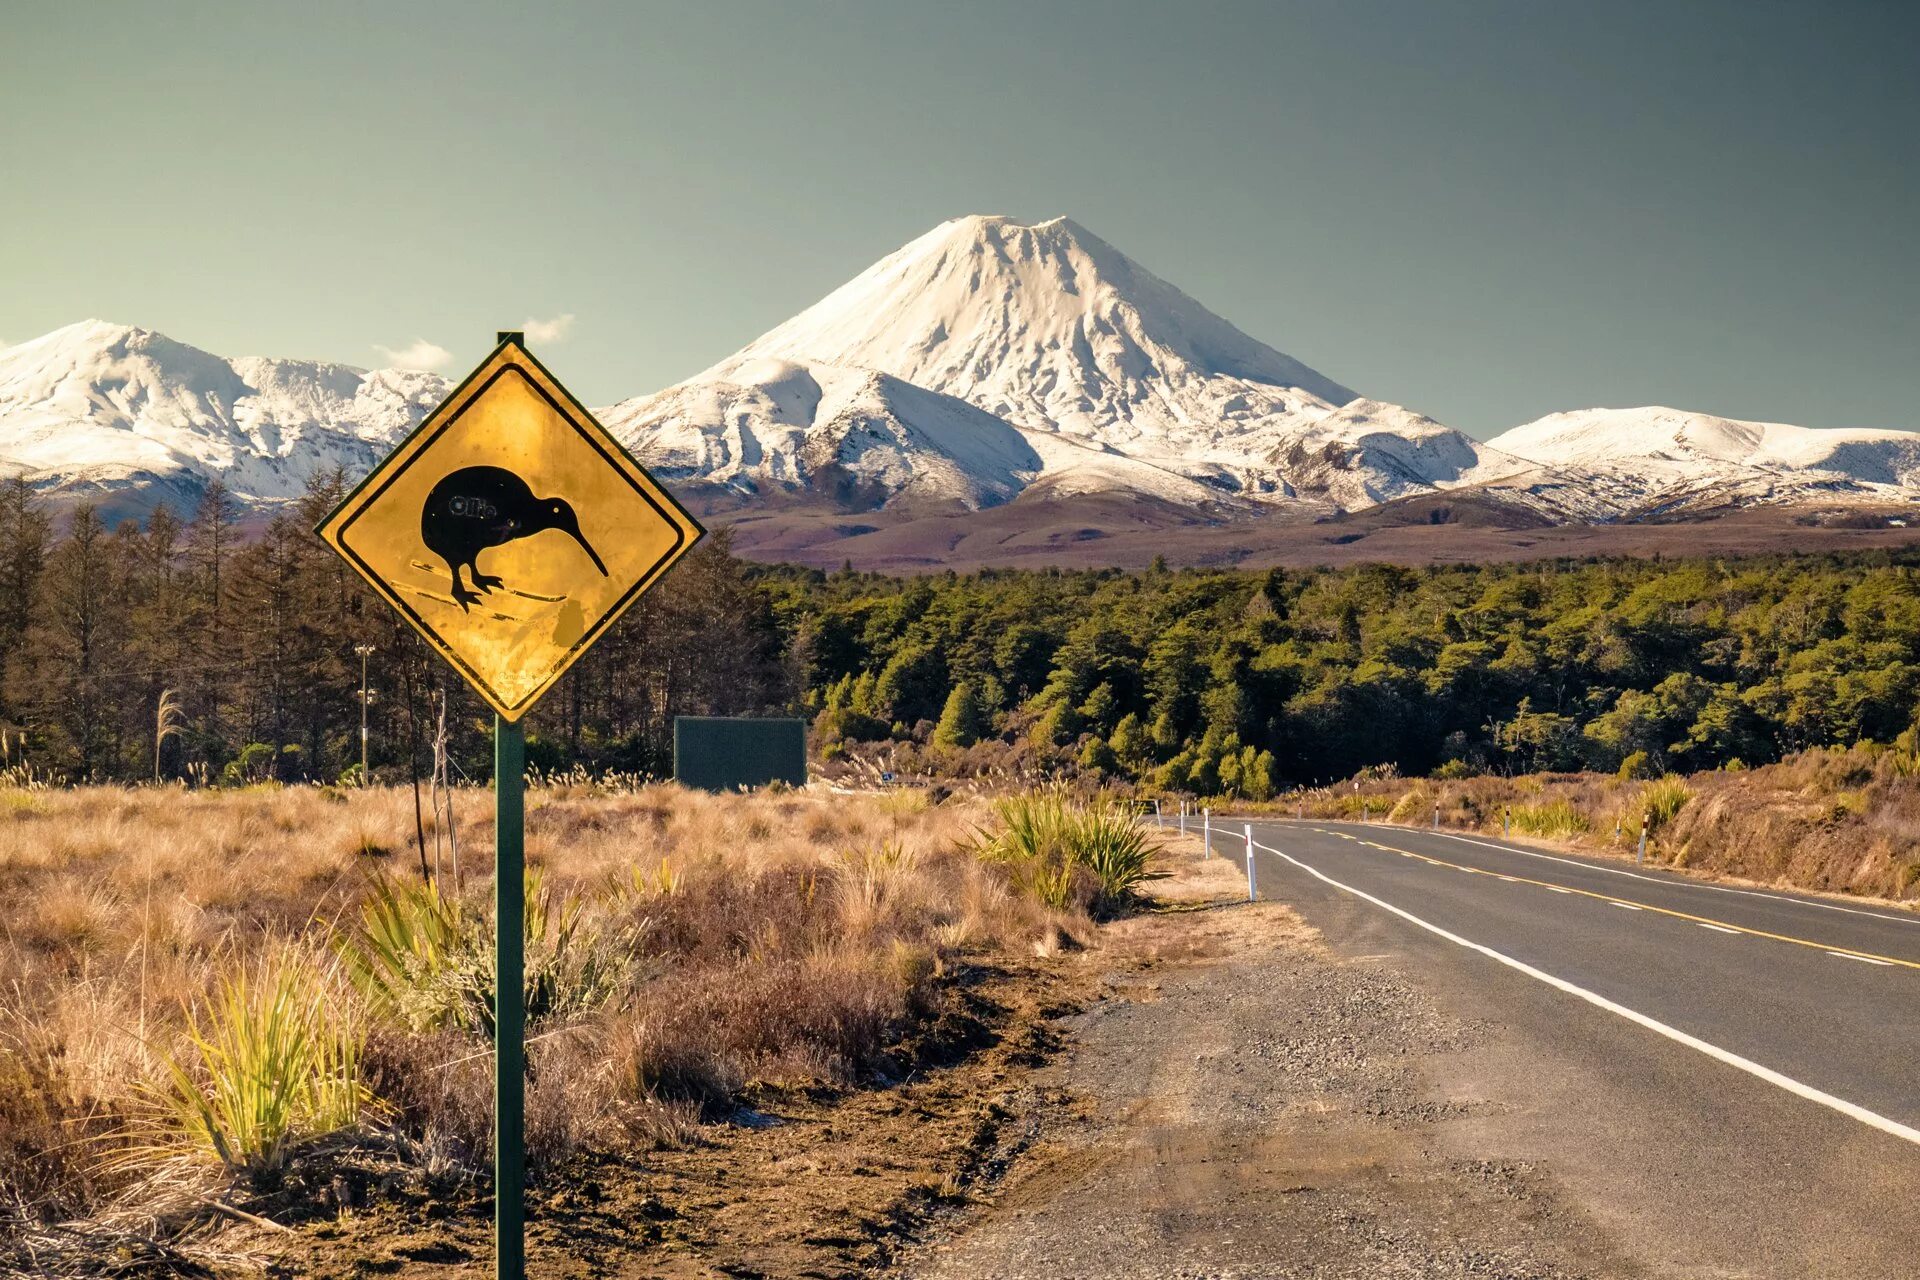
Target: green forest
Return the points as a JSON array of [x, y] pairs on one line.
[[204, 650]]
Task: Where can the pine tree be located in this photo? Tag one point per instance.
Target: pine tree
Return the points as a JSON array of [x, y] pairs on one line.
[[66, 679], [961, 721], [25, 532], [208, 547]]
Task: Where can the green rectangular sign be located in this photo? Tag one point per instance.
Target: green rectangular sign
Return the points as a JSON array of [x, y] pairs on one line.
[[725, 753]]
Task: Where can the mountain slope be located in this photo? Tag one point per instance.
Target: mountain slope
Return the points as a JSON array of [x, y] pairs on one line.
[[1660, 459], [853, 436], [98, 407]]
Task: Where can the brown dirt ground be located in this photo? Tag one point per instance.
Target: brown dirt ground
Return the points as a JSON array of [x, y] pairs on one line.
[[820, 1184]]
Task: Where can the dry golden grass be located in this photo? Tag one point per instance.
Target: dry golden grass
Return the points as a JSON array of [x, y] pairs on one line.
[[756, 942], [1839, 820]]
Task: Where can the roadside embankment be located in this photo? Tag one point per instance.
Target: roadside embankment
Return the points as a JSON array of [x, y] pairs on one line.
[[1841, 821]]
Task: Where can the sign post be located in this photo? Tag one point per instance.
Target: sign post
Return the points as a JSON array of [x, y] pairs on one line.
[[509, 999], [511, 530]]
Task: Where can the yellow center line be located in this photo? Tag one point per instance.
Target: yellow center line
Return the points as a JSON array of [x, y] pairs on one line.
[[1727, 926]]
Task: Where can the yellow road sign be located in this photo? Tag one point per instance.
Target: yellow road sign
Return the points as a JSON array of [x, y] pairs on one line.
[[510, 529]]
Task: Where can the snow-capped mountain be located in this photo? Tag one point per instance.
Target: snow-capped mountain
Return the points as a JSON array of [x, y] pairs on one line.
[[1053, 329], [987, 361], [1114, 378], [1655, 458], [103, 408]]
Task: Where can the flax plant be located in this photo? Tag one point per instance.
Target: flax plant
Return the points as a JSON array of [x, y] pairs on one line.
[[271, 1062], [1060, 850]]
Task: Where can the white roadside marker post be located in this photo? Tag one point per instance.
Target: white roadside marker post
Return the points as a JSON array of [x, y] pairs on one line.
[[1641, 858], [1506, 821], [1206, 830], [1436, 817], [1252, 891], [1183, 817]]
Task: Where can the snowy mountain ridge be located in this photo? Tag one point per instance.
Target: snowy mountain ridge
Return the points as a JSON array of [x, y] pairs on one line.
[[99, 407], [985, 362]]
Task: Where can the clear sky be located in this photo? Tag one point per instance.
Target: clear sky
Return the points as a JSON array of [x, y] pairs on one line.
[[1487, 211]]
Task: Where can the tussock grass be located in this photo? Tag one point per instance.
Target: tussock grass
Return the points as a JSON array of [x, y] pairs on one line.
[[1662, 800], [215, 981], [1555, 820], [425, 960]]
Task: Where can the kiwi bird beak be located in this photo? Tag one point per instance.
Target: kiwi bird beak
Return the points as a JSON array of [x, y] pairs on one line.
[[581, 538]]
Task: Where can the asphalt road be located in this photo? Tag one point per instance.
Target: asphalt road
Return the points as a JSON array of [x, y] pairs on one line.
[[1728, 1079]]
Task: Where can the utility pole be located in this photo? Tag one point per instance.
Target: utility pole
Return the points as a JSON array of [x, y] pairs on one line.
[[365, 651]]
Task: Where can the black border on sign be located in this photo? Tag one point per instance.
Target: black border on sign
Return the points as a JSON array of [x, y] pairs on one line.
[[574, 414]]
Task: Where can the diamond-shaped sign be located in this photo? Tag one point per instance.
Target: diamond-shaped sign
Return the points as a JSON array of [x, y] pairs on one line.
[[510, 529]]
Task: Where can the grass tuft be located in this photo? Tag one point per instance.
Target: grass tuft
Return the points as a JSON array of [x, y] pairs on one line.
[[271, 1062], [1662, 800], [423, 961], [1554, 820], [1067, 853]]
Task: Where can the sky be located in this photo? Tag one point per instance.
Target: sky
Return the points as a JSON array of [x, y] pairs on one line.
[[1485, 211]]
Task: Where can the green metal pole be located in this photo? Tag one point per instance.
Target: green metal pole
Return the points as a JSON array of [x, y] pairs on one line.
[[509, 1002]]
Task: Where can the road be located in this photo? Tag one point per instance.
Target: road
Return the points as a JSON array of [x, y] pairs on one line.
[[1727, 1078]]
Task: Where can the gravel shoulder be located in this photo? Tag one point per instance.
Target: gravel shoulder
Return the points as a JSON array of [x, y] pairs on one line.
[[1239, 1102]]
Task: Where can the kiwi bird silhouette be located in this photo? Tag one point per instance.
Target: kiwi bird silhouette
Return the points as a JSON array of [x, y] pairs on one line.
[[479, 507]]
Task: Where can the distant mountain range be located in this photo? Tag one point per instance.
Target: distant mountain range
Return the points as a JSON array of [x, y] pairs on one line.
[[987, 363]]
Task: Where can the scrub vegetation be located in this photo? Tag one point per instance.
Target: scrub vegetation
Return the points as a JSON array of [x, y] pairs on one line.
[[1844, 820], [183, 651], [1243, 684], [251, 1000]]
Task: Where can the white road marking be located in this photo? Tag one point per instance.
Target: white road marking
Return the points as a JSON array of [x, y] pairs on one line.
[[1557, 889], [1862, 959], [1714, 1051], [1718, 928], [1624, 906]]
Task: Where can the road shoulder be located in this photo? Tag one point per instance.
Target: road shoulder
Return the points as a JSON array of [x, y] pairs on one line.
[[1243, 1103]]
